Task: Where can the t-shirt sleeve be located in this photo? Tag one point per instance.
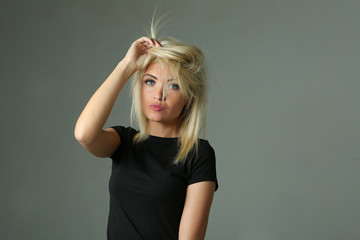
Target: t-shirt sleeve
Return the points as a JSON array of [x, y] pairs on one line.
[[126, 135], [203, 168]]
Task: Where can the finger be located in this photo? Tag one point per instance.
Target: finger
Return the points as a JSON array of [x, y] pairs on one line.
[[145, 40], [149, 42], [158, 44], [155, 42]]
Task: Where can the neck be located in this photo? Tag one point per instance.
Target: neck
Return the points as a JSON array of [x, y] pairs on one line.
[[163, 130]]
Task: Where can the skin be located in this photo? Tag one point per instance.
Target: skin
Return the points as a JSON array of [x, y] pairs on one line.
[[199, 197], [102, 143], [162, 122]]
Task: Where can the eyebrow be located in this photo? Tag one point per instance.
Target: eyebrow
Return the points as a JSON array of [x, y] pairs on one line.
[[150, 75], [147, 74]]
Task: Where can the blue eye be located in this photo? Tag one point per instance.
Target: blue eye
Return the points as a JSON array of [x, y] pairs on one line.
[[174, 86], [149, 82]]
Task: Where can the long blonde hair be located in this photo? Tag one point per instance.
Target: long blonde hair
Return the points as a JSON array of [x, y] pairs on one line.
[[187, 65]]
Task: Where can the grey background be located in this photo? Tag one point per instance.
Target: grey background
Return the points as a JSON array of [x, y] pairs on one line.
[[284, 113]]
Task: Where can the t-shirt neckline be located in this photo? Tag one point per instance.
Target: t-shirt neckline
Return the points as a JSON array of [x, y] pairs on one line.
[[162, 139]]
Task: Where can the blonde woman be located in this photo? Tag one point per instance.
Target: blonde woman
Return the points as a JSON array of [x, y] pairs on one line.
[[163, 175]]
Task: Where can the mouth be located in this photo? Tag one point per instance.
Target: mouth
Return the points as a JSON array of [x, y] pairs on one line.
[[157, 107]]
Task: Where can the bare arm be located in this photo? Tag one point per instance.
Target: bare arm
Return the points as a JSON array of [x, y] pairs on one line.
[[88, 129], [196, 211], [89, 126]]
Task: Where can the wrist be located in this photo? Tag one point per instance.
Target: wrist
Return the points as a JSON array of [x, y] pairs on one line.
[[128, 67]]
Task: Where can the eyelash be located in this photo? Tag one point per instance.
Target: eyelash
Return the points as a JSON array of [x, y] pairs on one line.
[[174, 86], [149, 82]]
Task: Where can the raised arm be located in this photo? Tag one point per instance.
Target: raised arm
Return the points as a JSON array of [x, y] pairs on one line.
[[89, 126]]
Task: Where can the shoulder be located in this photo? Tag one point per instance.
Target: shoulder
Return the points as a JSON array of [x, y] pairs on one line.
[[203, 164], [126, 135], [124, 132], [204, 147]]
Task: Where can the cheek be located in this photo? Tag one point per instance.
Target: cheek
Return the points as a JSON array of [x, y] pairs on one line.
[[179, 102]]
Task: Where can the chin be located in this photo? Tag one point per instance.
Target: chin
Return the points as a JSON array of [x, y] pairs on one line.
[[155, 119]]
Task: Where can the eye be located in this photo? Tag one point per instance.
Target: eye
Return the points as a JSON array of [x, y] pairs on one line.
[[174, 86], [149, 82]]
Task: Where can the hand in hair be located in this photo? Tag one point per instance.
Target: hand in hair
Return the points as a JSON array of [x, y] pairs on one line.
[[137, 50]]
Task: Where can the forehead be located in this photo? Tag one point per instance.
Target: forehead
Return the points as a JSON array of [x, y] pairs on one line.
[[159, 71]]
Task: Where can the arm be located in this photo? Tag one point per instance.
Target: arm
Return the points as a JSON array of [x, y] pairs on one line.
[[88, 129], [196, 211]]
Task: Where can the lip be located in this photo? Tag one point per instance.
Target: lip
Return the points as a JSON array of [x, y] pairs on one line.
[[157, 107]]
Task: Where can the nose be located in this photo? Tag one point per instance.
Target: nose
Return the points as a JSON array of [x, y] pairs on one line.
[[159, 93]]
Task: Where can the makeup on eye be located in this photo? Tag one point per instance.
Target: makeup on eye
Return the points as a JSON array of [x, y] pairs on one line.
[[170, 83], [174, 86], [149, 82]]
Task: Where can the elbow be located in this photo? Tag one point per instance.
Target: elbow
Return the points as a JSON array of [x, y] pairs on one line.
[[81, 135]]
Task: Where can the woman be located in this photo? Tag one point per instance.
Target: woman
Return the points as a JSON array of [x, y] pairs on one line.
[[163, 176]]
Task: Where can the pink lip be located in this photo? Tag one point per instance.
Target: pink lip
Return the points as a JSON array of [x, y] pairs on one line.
[[157, 107]]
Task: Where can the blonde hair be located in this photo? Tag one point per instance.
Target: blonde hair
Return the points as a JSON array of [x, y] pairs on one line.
[[187, 65]]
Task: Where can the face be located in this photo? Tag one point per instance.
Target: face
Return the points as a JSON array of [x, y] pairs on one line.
[[156, 107]]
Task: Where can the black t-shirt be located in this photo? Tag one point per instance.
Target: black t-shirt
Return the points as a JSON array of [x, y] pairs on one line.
[[147, 191]]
